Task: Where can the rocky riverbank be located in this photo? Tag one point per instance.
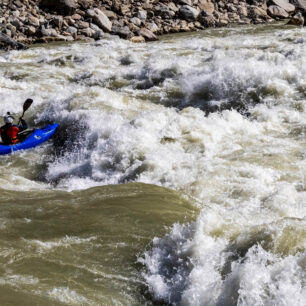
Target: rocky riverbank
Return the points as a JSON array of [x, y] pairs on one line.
[[24, 22]]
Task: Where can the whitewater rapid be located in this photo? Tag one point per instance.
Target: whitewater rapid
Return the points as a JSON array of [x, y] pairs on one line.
[[219, 116]]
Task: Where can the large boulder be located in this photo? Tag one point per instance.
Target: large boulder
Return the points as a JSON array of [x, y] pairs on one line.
[[100, 19], [64, 7], [188, 13], [278, 12], [288, 7]]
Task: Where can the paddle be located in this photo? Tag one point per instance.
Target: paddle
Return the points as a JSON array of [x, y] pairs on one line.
[[26, 105]]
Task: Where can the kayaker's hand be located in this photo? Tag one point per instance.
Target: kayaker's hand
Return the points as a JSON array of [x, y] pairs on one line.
[[20, 118]]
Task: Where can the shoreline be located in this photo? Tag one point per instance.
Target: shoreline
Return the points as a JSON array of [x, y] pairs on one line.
[[26, 22]]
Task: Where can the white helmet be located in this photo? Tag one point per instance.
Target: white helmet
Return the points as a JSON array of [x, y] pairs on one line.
[[8, 119]]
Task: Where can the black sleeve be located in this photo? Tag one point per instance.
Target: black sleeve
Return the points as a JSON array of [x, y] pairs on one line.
[[23, 125]]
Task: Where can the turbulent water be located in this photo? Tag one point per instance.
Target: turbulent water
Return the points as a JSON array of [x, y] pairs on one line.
[[177, 175]]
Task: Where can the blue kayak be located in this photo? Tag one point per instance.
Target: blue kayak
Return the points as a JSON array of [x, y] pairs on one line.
[[35, 138]]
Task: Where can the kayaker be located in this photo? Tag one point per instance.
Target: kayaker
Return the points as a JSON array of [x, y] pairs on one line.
[[9, 131]]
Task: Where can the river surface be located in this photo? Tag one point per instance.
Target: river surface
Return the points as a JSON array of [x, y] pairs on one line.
[[177, 175]]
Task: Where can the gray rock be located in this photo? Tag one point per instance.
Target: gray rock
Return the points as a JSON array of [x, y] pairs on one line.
[[147, 34], [100, 19], [152, 27], [123, 32], [257, 12], [276, 11], [87, 32], [15, 13], [243, 11], [48, 32], [98, 34], [31, 30], [142, 15], [189, 13], [33, 21], [288, 7], [135, 21], [172, 7], [18, 4], [94, 27], [72, 30]]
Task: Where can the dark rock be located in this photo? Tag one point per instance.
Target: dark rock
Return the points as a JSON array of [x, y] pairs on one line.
[[8, 42], [185, 2], [58, 21], [207, 20], [64, 7], [85, 4], [300, 4], [297, 20], [188, 13]]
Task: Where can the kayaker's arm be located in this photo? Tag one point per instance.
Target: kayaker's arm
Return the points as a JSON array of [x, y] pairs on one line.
[[23, 125]]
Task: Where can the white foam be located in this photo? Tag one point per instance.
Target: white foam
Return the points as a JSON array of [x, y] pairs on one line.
[[245, 172], [67, 296]]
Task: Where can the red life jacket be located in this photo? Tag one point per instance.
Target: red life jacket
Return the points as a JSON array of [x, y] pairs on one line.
[[12, 133]]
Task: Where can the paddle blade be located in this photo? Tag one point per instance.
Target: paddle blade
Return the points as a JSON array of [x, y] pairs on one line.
[[27, 104]]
